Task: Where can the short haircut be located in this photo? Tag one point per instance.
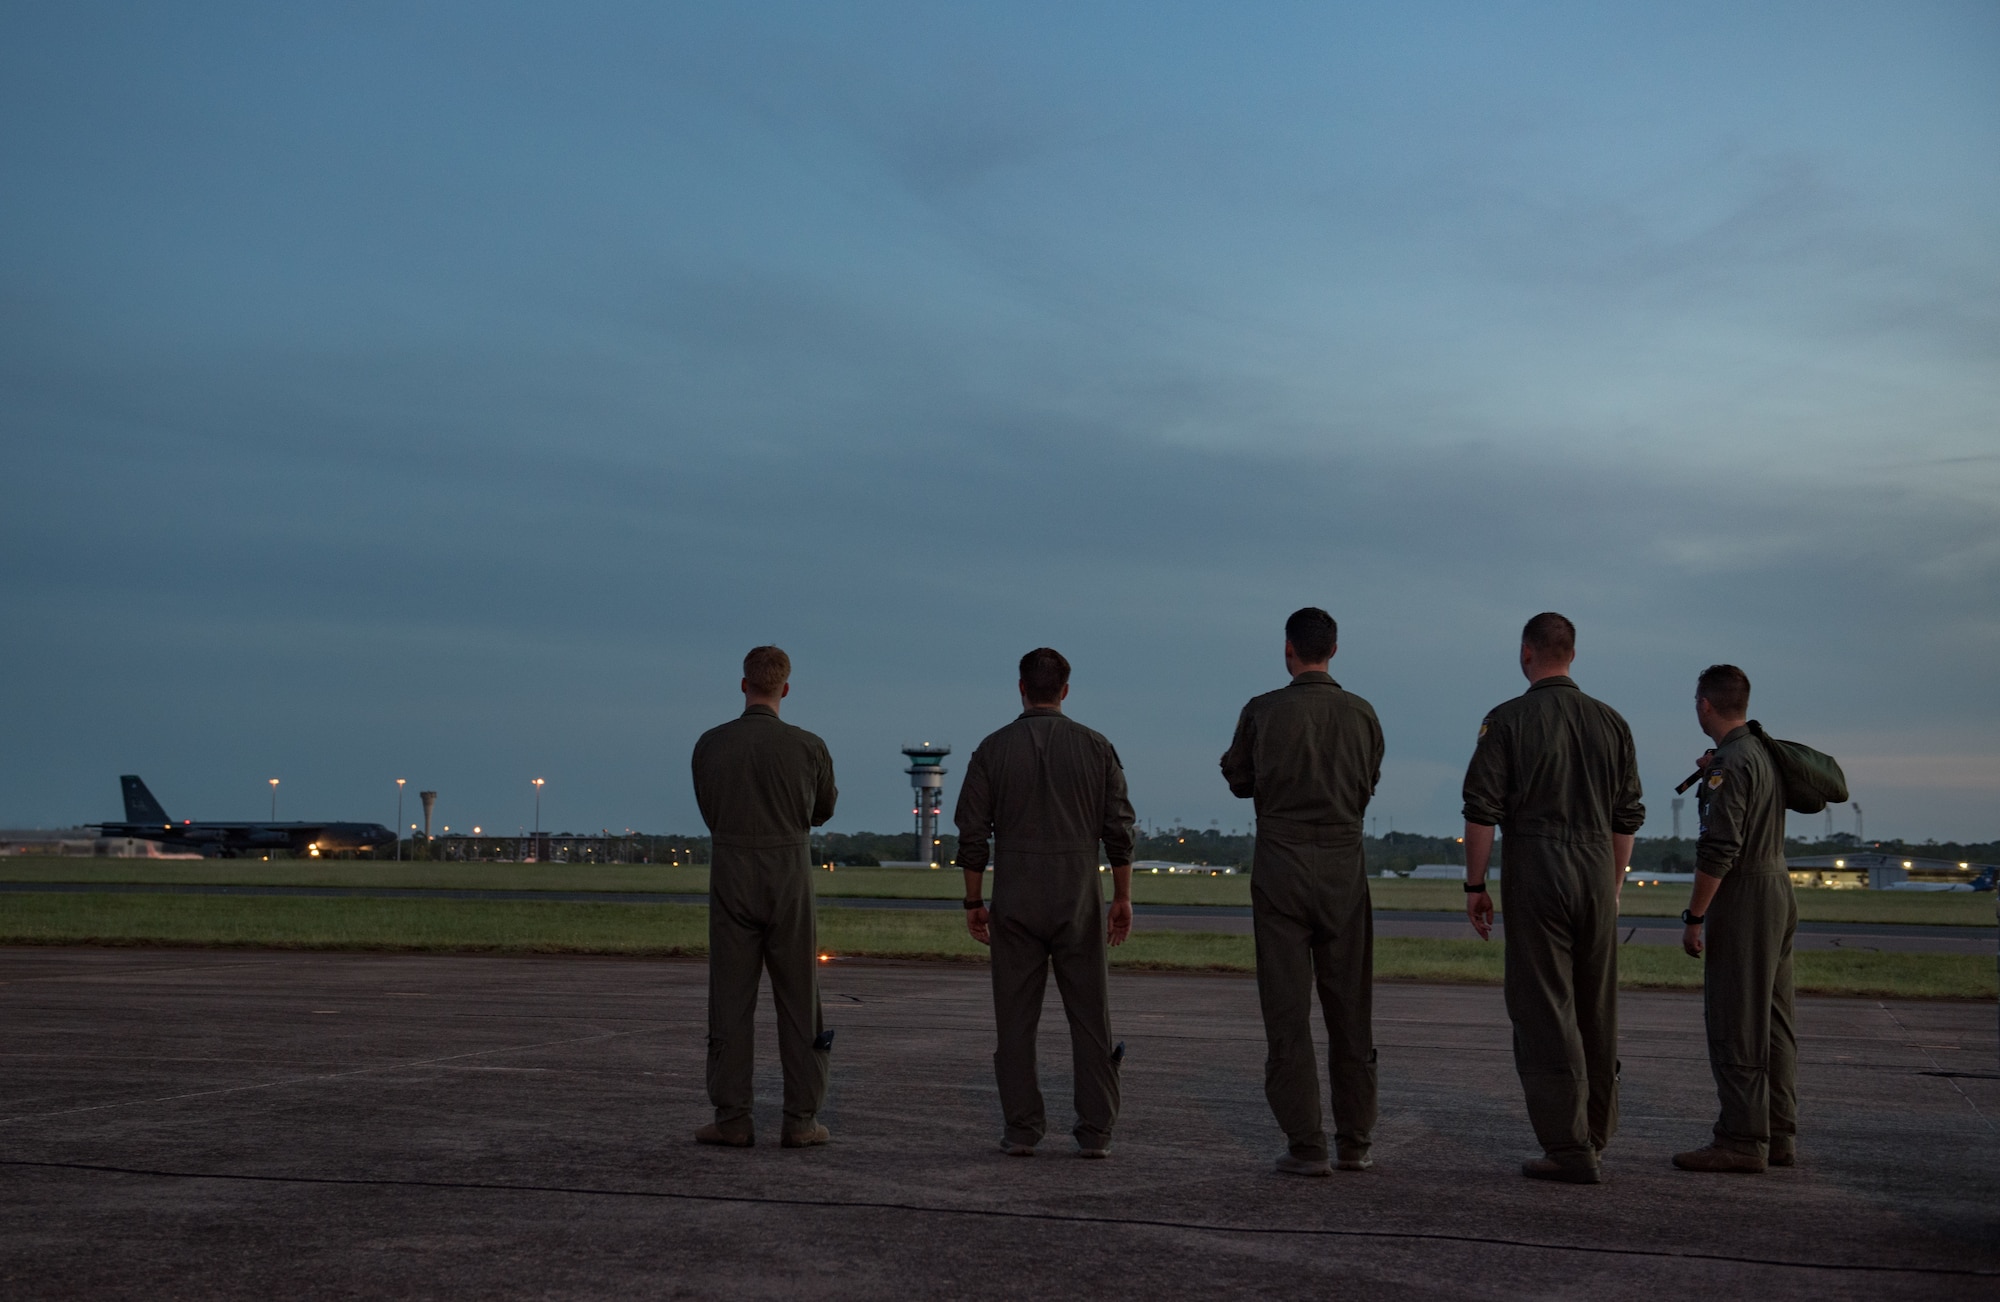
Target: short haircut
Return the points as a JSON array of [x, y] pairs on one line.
[[1726, 689], [1550, 636], [767, 669], [1044, 673], [1312, 634]]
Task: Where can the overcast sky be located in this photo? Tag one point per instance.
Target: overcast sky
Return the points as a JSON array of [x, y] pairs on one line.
[[456, 392]]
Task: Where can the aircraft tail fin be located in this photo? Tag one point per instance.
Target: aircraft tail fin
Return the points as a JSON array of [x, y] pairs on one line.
[[140, 807]]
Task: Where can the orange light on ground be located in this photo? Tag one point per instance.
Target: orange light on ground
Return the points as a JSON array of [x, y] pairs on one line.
[[824, 957]]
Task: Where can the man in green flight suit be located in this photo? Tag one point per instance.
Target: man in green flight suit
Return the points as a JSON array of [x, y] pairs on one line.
[[1743, 893], [763, 785], [1310, 755], [1555, 771], [1047, 791]]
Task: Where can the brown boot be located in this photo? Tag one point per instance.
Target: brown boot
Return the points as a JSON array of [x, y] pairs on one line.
[[1722, 1160], [1784, 1152], [714, 1134], [806, 1136], [1547, 1168]]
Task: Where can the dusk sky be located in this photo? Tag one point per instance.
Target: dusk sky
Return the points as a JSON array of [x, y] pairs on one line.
[[455, 393]]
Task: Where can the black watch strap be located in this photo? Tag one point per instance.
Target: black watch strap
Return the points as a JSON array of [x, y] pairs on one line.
[[974, 904], [1693, 919], [1475, 888]]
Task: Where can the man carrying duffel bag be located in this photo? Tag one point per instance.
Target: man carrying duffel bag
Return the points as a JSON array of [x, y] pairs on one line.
[[1743, 897]]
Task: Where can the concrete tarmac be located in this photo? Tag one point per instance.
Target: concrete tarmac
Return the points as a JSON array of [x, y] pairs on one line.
[[1878, 937], [255, 1125]]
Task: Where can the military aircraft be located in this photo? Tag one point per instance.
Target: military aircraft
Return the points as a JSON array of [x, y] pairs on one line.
[[145, 820]]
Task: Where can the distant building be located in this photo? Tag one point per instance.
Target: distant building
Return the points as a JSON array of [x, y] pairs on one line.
[[1447, 872], [1881, 871], [82, 842], [1183, 869]]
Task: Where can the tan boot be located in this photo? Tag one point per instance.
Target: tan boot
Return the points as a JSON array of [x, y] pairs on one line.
[[1289, 1165], [1784, 1152], [1721, 1160], [714, 1134], [806, 1136]]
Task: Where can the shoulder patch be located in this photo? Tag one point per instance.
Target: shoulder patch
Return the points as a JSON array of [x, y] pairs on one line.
[[1483, 726], [1714, 779]]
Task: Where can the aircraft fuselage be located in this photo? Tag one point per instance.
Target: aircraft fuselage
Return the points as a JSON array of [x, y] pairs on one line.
[[145, 820], [230, 839]]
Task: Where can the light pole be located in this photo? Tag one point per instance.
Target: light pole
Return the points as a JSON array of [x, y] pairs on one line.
[[399, 819], [538, 820], [274, 800]]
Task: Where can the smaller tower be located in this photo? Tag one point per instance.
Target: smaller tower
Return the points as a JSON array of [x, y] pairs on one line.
[[430, 799], [927, 784]]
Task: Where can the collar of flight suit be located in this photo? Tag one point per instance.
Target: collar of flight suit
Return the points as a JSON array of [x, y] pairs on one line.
[[1740, 730], [1314, 676], [1553, 680], [1041, 712], [749, 710]]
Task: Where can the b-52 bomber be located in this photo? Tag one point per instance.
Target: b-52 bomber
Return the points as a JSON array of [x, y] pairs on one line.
[[146, 820]]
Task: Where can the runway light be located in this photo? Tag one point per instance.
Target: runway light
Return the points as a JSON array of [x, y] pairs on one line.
[[824, 957]]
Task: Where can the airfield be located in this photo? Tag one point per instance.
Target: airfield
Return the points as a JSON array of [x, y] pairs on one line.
[[257, 1124]]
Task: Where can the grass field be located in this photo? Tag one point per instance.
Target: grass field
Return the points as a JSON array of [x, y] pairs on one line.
[[1963, 909], [681, 929]]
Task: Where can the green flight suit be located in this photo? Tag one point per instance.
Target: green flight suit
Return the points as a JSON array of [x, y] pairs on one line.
[[1310, 755], [762, 785], [1554, 769], [1747, 967], [1048, 790]]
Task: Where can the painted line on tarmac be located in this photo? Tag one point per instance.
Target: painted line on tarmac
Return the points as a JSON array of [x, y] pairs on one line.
[[1062, 1218]]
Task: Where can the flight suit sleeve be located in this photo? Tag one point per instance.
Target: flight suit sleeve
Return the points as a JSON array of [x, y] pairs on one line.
[[825, 794], [704, 799], [1376, 748], [1628, 811], [1239, 763], [974, 814], [1486, 778], [1725, 806], [1116, 832]]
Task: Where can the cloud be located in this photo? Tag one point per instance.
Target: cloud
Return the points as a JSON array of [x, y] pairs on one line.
[[496, 455]]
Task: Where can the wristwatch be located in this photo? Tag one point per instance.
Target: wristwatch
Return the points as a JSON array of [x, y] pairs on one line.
[[1475, 888], [974, 904], [1693, 919]]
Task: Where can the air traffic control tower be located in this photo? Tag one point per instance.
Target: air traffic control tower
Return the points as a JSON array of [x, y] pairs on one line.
[[927, 781]]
